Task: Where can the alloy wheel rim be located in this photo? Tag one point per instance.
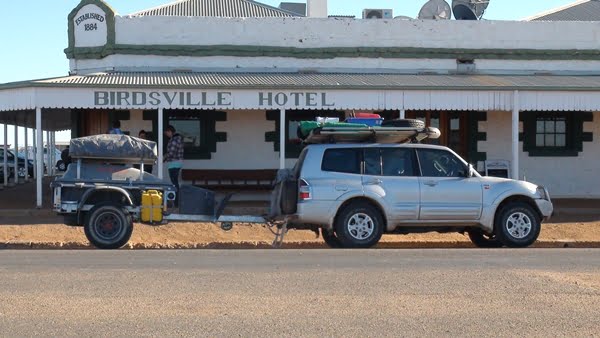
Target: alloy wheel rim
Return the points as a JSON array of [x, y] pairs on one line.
[[519, 225], [361, 226]]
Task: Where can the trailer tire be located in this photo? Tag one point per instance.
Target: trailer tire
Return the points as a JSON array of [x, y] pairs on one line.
[[404, 123], [108, 226]]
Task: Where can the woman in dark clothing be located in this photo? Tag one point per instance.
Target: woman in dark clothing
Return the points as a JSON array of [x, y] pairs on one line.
[[174, 157]]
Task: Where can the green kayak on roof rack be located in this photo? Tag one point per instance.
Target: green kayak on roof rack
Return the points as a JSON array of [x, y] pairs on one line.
[[306, 127]]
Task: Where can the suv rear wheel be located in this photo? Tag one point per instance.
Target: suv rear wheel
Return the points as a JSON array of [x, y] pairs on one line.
[[359, 225], [517, 225], [330, 239]]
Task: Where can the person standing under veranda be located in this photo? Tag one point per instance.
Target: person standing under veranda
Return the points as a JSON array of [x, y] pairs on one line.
[[174, 158], [65, 157], [148, 167], [116, 128]]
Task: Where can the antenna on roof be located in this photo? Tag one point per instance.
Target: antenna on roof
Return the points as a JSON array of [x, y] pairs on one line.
[[435, 10], [469, 9]]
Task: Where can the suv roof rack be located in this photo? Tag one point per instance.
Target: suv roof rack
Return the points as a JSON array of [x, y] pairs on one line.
[[371, 135]]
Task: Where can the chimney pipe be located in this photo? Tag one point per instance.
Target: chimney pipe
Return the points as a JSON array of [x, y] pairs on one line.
[[316, 8]]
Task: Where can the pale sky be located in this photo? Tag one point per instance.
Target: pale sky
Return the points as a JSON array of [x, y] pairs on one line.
[[34, 32]]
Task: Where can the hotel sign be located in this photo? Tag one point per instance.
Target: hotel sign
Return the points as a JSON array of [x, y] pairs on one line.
[[90, 27], [203, 99]]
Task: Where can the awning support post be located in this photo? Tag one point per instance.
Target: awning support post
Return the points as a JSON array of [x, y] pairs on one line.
[[161, 140], [5, 160], [26, 155], [48, 152], [282, 129], [39, 155], [16, 153], [515, 135], [52, 151], [34, 146]]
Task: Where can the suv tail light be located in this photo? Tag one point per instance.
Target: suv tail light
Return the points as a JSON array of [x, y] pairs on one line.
[[304, 191]]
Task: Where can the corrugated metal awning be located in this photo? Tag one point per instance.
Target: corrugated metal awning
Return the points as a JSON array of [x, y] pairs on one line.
[[266, 91], [320, 81]]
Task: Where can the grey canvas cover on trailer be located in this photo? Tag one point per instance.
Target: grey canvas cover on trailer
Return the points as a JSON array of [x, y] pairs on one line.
[[112, 147]]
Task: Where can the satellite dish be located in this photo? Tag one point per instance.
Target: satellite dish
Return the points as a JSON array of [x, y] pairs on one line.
[[469, 9], [435, 10]]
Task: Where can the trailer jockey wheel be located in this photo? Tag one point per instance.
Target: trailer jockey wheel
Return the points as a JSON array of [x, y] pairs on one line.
[[226, 226]]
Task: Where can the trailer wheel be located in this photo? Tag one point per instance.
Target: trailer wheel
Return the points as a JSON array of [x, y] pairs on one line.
[[108, 227]]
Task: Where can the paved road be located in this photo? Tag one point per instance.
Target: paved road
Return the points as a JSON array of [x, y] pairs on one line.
[[300, 293]]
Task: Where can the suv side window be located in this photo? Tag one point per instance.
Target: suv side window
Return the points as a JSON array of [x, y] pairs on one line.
[[389, 162], [397, 162], [342, 160], [440, 163], [372, 161]]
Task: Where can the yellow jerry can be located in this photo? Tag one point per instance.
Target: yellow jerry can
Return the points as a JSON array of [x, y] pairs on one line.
[[152, 201]]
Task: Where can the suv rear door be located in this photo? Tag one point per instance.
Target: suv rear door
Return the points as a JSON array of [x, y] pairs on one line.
[[390, 175], [339, 174], [447, 193]]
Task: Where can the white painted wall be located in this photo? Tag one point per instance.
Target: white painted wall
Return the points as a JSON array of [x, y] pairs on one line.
[[245, 147], [230, 63], [136, 123], [572, 177], [336, 32]]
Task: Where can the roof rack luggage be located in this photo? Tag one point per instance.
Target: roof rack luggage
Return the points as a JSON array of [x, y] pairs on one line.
[[371, 135]]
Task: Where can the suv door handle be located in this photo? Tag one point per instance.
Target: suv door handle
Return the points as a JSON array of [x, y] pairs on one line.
[[375, 181], [431, 183]]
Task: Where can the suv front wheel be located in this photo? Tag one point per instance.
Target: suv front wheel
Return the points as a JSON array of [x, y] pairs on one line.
[[359, 225], [517, 225]]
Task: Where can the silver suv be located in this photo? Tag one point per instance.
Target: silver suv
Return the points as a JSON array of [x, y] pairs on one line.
[[358, 192]]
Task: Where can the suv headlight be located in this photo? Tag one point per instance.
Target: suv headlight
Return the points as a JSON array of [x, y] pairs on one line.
[[543, 193]]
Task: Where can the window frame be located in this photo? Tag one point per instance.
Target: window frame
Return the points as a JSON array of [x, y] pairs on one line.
[[208, 133], [574, 135]]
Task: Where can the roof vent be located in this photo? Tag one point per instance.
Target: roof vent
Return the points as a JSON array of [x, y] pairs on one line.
[[465, 66]]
